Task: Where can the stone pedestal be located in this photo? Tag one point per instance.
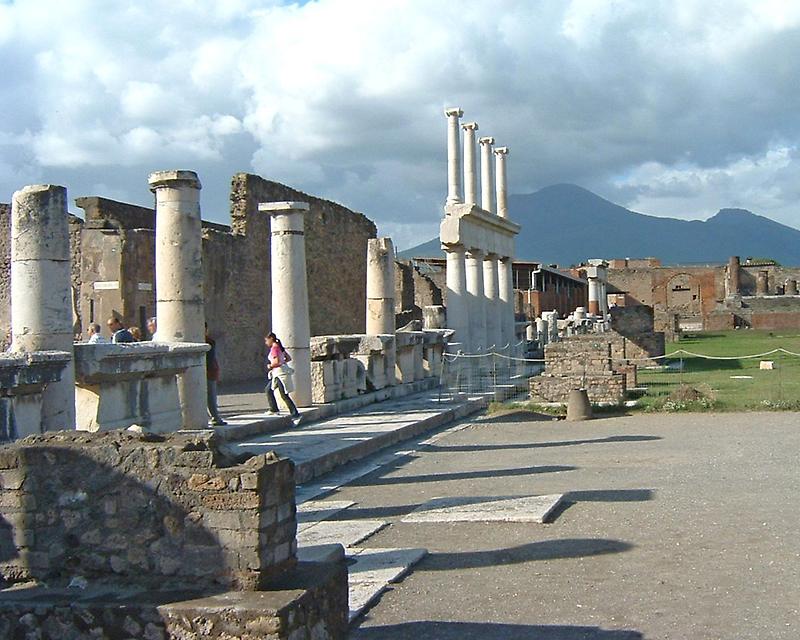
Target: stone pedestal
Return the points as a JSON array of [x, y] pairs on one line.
[[179, 281], [380, 286], [541, 331], [290, 320], [476, 298], [457, 297], [409, 356], [41, 291]]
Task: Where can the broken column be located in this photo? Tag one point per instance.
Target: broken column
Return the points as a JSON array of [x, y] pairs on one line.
[[290, 321], [457, 296], [491, 285], [453, 155], [470, 162], [487, 175], [380, 286], [41, 291], [476, 300], [732, 281], [179, 280], [500, 181], [762, 283], [790, 288], [594, 295]]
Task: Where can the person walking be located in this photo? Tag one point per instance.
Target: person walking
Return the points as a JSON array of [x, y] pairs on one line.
[[279, 375], [95, 335], [119, 334], [212, 378]]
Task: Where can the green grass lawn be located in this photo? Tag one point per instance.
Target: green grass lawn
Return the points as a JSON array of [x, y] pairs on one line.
[[757, 389]]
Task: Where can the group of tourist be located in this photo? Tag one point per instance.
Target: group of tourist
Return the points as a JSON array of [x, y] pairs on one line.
[[279, 371]]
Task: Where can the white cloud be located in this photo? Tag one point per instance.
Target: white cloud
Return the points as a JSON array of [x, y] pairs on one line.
[[689, 100]]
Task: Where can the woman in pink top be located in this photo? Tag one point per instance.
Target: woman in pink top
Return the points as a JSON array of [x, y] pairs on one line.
[[280, 375]]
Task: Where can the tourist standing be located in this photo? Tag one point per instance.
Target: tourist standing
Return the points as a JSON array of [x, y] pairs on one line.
[[152, 328], [279, 375], [119, 334], [212, 378], [95, 335]]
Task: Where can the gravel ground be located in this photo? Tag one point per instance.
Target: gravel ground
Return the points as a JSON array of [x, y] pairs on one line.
[[676, 526]]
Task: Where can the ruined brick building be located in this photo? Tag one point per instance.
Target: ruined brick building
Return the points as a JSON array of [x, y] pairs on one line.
[[113, 262]]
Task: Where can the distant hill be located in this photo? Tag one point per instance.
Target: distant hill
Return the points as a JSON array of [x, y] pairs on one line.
[[566, 224]]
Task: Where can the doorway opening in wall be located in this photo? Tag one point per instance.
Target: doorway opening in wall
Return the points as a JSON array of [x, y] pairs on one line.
[[91, 310]]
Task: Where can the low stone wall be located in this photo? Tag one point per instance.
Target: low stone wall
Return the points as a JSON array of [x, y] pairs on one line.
[[143, 510], [602, 389]]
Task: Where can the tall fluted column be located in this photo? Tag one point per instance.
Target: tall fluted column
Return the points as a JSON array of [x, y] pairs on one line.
[[470, 164], [491, 286], [506, 286], [290, 320], [453, 155], [41, 291], [487, 175], [457, 296], [179, 280], [501, 153], [380, 286], [477, 298]]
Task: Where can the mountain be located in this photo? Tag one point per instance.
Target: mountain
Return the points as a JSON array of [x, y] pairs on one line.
[[566, 224]]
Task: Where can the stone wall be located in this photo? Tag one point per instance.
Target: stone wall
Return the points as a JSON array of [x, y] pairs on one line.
[[415, 290], [607, 389], [143, 510], [635, 325]]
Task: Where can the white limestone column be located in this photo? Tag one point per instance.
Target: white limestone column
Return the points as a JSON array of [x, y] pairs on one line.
[[457, 296], [41, 291], [470, 164], [477, 300], [487, 174], [453, 155], [491, 291], [290, 321], [501, 153], [506, 286], [179, 280], [594, 297], [380, 286]]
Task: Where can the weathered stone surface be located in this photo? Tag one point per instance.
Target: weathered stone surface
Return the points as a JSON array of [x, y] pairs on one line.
[[514, 509]]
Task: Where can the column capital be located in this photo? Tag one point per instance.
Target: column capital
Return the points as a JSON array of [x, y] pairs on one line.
[[490, 256], [486, 140], [470, 126], [282, 207], [501, 151], [475, 253], [173, 178], [454, 111], [455, 247]]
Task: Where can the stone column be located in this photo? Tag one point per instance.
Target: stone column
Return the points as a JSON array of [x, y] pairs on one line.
[[487, 175], [41, 291], [790, 288], [380, 286], [476, 304], [457, 296], [732, 281], [470, 164], [501, 153], [453, 155], [290, 320], [506, 311], [603, 286], [762, 283], [179, 280], [594, 297], [491, 292]]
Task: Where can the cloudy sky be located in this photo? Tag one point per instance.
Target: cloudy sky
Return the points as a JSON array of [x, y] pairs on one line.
[[676, 108]]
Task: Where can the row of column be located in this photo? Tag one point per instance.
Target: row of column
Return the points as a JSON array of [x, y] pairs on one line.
[[480, 299], [462, 186]]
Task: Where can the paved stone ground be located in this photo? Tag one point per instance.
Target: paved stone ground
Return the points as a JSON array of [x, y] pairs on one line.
[[674, 526]]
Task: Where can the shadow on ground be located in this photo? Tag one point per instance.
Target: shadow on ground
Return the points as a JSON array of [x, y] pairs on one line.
[[486, 630], [540, 445], [367, 481]]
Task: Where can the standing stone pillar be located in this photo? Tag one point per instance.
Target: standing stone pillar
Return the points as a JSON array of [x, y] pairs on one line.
[[41, 291], [506, 311], [762, 283], [732, 281], [487, 175], [453, 155], [603, 286], [501, 153], [470, 164], [457, 296], [790, 288], [491, 291], [476, 297], [594, 297], [380, 286], [290, 320], [179, 280]]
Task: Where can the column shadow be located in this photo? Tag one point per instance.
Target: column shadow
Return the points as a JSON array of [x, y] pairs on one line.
[[441, 630]]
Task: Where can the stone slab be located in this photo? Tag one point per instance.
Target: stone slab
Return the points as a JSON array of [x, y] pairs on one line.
[[382, 564], [530, 509], [313, 512], [362, 595], [346, 532]]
